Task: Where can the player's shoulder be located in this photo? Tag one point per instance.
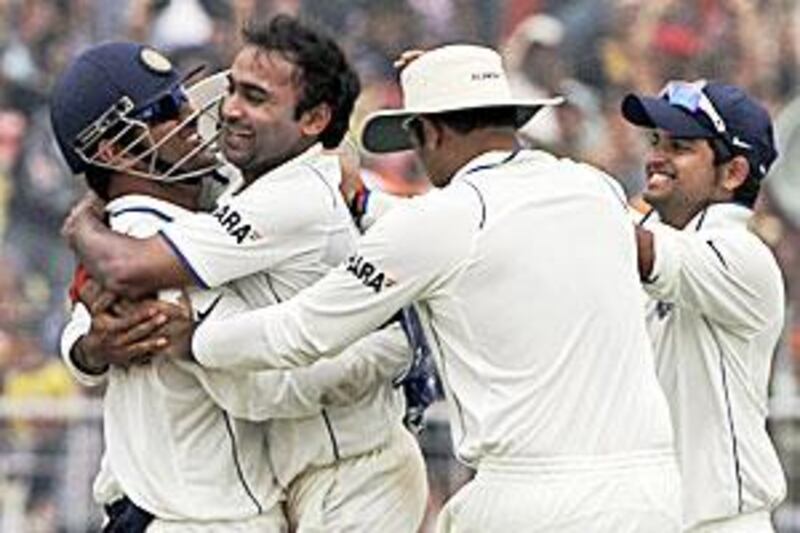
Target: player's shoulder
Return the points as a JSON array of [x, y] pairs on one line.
[[141, 215], [728, 230], [308, 180], [435, 227]]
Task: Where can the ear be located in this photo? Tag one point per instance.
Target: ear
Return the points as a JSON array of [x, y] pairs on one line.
[[736, 172], [315, 120], [434, 133]]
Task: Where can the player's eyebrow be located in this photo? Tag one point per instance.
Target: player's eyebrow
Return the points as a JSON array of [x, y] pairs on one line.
[[250, 87]]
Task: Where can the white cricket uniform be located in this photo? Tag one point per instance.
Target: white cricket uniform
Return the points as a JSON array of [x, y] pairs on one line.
[[715, 315], [526, 265], [275, 237], [255, 396], [170, 447]]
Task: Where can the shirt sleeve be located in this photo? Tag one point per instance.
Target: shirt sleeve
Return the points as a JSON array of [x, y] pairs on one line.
[[727, 276], [408, 255], [302, 392], [79, 325], [377, 205], [256, 229]]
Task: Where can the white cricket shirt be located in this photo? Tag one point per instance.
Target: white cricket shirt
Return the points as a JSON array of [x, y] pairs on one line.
[[715, 315], [166, 393], [168, 445], [273, 238], [526, 265]]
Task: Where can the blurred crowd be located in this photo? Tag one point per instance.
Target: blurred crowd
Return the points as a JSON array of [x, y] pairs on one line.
[[591, 51]]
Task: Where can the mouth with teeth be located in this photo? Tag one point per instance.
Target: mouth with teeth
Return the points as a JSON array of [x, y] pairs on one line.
[[658, 176]]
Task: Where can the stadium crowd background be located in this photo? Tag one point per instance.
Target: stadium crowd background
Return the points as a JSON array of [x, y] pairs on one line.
[[592, 51]]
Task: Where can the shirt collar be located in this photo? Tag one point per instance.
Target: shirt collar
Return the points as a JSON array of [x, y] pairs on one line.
[[312, 152], [141, 202], [722, 214], [497, 158]]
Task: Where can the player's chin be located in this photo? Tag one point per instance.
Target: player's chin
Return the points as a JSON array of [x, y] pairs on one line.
[[655, 195]]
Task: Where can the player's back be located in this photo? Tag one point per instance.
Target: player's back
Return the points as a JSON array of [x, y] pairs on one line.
[[558, 362]]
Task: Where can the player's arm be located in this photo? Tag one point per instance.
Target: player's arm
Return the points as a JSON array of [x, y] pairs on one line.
[[722, 275], [406, 256], [125, 265], [84, 367], [301, 392]]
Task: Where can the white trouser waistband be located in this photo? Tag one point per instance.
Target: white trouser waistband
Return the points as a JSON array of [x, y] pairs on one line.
[[574, 465]]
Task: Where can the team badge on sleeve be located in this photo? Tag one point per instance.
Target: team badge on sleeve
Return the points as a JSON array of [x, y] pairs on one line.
[[368, 274], [232, 222]]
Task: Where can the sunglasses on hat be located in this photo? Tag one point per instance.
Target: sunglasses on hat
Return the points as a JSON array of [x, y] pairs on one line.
[[691, 97]]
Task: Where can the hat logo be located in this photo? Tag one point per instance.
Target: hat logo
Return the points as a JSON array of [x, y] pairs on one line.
[[485, 76], [155, 61]]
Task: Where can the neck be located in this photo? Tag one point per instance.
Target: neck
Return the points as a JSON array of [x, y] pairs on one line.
[[468, 147], [678, 216], [252, 174]]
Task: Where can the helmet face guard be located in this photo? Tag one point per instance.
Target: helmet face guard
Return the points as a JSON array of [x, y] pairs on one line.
[[122, 120]]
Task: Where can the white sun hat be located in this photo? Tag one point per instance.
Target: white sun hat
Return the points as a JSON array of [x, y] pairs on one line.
[[450, 78]]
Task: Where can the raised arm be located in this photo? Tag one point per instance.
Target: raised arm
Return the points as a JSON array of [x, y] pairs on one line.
[[724, 275]]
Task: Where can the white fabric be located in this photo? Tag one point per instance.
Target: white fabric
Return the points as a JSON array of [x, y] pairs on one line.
[[758, 522], [209, 466], [385, 490], [609, 496], [459, 77], [271, 522], [533, 357], [291, 222], [79, 324], [715, 316], [294, 444], [282, 233]]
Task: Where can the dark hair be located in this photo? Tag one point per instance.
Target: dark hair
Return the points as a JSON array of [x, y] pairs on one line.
[[98, 179], [745, 194], [324, 74], [467, 120]]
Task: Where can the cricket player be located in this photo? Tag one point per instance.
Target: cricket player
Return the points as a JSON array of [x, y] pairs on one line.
[[716, 296], [174, 460], [525, 265], [351, 468]]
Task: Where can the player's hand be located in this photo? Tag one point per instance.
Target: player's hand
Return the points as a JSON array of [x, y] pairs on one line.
[[120, 341], [351, 186], [95, 297], [89, 207], [175, 336], [406, 58]]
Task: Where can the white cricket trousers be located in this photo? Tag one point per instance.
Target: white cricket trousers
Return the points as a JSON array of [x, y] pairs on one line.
[[634, 493], [758, 522], [272, 521], [382, 491]]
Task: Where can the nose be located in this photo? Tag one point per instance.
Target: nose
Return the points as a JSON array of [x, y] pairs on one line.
[[231, 110], [657, 151]]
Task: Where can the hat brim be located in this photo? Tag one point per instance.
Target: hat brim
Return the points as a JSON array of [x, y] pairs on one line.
[[383, 130], [657, 113]]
